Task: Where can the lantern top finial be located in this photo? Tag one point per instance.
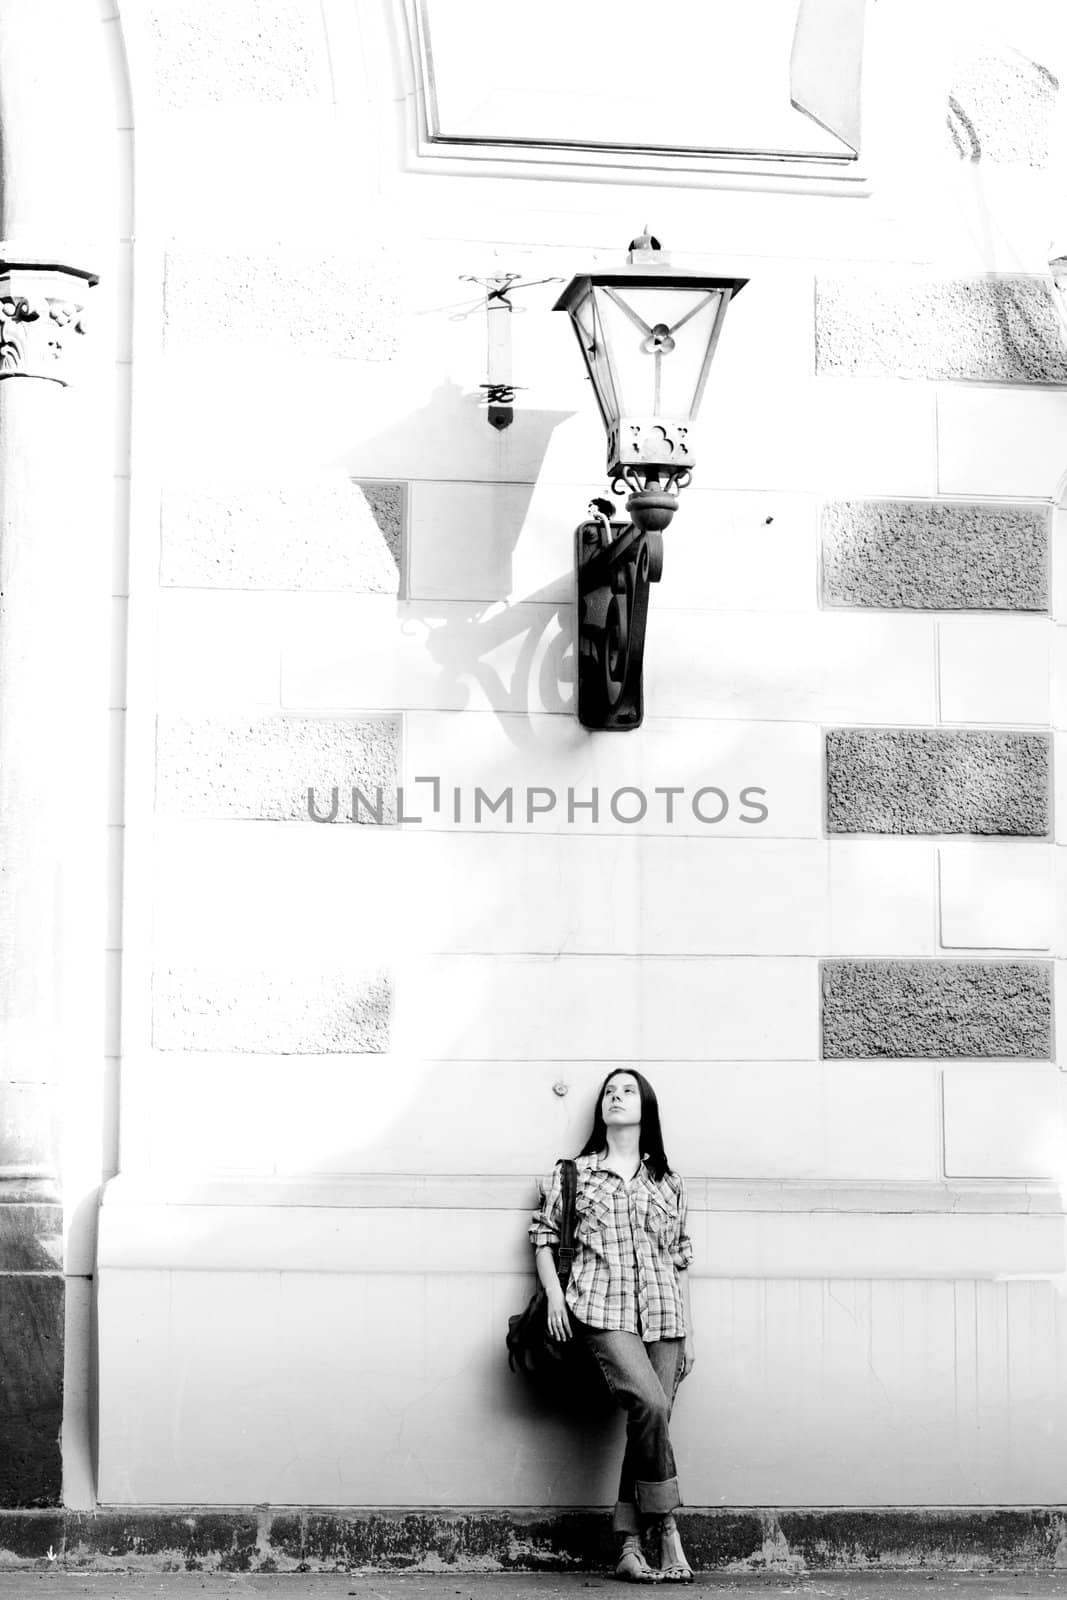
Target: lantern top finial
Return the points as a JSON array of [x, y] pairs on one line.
[[645, 250]]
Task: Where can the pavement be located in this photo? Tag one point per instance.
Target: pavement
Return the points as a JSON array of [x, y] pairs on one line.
[[902, 1584]]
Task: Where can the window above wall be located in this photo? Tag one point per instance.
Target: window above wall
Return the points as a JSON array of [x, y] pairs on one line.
[[763, 88]]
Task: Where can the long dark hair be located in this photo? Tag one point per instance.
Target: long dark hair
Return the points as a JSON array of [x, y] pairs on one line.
[[652, 1150]]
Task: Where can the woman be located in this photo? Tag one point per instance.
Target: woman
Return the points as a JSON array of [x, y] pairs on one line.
[[628, 1298]]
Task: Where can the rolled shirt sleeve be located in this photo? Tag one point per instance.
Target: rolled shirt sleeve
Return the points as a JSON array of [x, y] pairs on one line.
[[545, 1223], [682, 1254]]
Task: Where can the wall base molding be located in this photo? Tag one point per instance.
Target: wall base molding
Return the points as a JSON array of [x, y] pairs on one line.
[[287, 1539]]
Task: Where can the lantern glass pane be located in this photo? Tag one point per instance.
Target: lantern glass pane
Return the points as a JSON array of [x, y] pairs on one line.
[[598, 358], [659, 337]]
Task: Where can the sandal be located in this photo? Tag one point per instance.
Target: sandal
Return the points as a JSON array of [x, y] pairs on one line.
[[677, 1572], [675, 1568], [633, 1567]]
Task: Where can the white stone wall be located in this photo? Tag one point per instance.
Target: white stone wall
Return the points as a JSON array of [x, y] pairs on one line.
[[339, 572]]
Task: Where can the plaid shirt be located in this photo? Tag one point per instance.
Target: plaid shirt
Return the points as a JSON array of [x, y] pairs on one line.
[[629, 1246]]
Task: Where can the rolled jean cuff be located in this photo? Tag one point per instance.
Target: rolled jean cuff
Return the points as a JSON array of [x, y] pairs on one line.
[[625, 1518], [657, 1498]]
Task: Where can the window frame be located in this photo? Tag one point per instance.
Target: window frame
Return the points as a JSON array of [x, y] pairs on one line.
[[819, 24]]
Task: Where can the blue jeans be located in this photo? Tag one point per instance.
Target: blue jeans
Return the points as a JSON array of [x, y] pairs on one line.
[[644, 1379]]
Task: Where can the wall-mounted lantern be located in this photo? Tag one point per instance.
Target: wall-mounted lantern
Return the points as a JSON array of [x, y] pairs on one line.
[[647, 335]]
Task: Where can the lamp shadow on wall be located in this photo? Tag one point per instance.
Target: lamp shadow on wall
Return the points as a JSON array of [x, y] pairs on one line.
[[521, 657], [517, 653]]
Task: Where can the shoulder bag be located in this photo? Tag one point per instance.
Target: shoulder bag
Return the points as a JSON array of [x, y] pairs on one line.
[[562, 1370]]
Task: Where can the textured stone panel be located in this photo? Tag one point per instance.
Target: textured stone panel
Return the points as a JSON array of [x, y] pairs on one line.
[[264, 767], [997, 330], [271, 1012], [206, 53], [932, 780], [31, 1236], [327, 534], [388, 505], [937, 1009], [338, 305], [31, 1389], [938, 556], [1000, 107]]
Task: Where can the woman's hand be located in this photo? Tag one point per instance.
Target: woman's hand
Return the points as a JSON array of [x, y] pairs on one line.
[[688, 1356], [559, 1322]]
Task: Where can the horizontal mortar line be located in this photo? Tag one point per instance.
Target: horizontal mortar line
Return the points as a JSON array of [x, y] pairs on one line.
[[591, 831], [727, 955], [237, 1060], [941, 497], [404, 1197], [239, 708], [237, 1057], [308, 1508], [418, 957], [940, 1063], [558, 950], [629, 955], [261, 710], [878, 1191], [993, 839], [156, 1193], [1039, 614], [823, 1274], [758, 832], [381, 599], [343, 709]]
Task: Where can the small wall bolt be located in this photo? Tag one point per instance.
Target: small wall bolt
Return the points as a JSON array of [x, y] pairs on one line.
[[560, 1088]]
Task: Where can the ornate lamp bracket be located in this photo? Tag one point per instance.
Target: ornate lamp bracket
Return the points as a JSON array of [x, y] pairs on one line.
[[616, 562], [630, 323]]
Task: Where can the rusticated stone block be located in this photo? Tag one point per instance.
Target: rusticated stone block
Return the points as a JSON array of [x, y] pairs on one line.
[[31, 1389], [338, 305], [31, 1236], [937, 1009], [314, 1012], [330, 533], [388, 504], [935, 555], [937, 780], [1001, 329], [270, 52], [264, 767], [1000, 107]]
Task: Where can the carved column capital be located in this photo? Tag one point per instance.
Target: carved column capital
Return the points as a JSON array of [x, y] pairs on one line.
[[42, 320]]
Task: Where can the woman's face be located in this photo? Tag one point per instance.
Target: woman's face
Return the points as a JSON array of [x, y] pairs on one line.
[[620, 1104]]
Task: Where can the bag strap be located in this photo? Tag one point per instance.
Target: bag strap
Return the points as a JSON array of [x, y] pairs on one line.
[[565, 1254]]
